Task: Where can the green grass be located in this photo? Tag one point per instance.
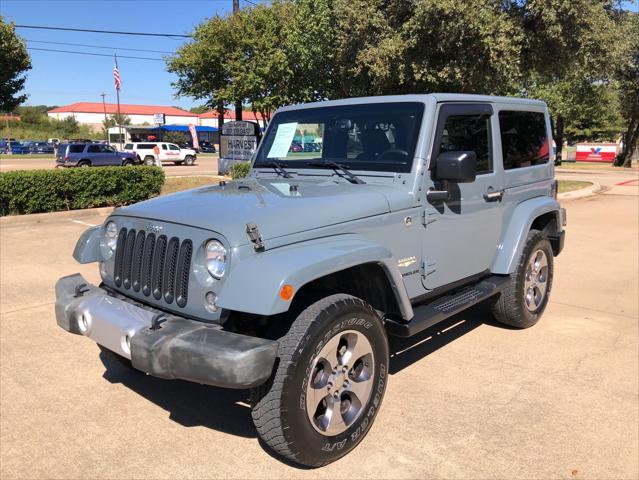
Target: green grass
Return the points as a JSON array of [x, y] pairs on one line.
[[177, 184], [570, 185]]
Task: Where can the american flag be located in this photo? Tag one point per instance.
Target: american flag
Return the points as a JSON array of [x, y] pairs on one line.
[[116, 76]]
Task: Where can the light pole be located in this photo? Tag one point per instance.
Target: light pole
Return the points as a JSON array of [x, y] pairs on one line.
[[104, 106]]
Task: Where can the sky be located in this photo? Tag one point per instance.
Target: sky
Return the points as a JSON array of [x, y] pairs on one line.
[[61, 78]]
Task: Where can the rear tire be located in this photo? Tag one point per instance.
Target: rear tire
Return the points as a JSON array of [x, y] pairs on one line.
[[524, 300], [329, 383], [149, 161], [84, 163]]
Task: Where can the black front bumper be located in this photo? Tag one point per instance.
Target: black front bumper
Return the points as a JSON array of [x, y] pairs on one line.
[[176, 348]]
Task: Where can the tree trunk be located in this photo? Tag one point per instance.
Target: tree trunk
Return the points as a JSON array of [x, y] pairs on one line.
[[238, 110], [630, 140], [559, 134]]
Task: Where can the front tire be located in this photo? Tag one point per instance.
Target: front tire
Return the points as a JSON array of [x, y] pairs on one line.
[[189, 160], [329, 383], [524, 300]]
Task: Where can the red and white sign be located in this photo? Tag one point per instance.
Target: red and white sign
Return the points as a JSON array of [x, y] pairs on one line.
[[596, 152], [196, 143]]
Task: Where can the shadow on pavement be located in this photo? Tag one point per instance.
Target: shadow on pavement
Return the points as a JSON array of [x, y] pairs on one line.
[[228, 411], [189, 404], [406, 351]]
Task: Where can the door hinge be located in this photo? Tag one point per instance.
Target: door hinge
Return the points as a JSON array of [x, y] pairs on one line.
[[427, 268], [428, 217], [253, 234]]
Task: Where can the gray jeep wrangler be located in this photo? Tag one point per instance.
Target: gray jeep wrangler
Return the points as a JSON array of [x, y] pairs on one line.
[[408, 210]]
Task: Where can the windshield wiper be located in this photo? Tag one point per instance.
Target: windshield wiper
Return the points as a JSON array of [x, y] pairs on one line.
[[278, 167], [338, 167]]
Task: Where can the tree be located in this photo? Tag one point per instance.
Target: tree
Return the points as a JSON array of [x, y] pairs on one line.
[[14, 62], [627, 77], [114, 120]]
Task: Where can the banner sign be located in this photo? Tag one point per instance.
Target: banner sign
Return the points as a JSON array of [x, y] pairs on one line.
[[196, 142], [238, 140], [596, 152], [158, 118]]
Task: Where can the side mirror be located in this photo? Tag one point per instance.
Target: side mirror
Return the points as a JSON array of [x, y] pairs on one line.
[[458, 167]]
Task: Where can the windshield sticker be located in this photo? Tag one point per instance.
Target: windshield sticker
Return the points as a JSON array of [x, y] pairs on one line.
[[283, 140]]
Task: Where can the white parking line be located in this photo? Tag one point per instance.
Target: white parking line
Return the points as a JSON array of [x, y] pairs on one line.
[[84, 223]]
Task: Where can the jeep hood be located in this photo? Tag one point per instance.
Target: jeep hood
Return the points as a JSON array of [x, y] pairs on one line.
[[275, 207]]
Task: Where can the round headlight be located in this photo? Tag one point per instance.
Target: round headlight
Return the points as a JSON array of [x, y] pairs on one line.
[[109, 240], [215, 258]]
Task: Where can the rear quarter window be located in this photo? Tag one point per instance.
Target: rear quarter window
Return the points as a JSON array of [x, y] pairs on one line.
[[76, 148], [128, 146], [524, 139]]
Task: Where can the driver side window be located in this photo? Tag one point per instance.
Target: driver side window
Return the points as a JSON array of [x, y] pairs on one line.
[[469, 133]]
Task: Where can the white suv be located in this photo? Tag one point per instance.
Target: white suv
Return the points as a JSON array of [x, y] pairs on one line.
[[156, 153]]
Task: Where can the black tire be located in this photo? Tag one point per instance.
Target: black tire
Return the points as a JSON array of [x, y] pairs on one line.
[[84, 163], [189, 160], [127, 163], [510, 307], [149, 160], [279, 406]]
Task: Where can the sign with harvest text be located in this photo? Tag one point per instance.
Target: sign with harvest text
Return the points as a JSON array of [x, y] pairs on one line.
[[239, 140]]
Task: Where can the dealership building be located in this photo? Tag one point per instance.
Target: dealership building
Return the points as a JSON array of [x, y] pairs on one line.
[[94, 113]]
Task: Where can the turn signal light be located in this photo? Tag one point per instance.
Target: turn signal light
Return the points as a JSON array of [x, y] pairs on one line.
[[286, 292]]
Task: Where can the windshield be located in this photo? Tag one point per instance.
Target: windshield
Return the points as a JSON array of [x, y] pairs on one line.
[[379, 136]]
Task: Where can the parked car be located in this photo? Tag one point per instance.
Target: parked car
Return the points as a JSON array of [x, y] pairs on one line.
[[296, 147], [15, 148], [92, 155], [312, 147], [150, 152], [289, 282], [41, 147], [207, 147]]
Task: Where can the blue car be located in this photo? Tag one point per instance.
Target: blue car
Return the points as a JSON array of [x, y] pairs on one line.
[[92, 155], [15, 148], [41, 147]]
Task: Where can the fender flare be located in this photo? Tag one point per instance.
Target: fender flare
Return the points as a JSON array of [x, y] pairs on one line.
[[253, 284], [514, 237]]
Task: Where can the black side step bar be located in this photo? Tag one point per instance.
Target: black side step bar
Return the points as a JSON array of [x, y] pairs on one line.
[[429, 314]]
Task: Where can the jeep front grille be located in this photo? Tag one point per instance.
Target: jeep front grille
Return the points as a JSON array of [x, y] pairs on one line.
[[157, 266]]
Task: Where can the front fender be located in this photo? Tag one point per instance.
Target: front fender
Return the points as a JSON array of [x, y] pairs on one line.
[[253, 284], [514, 237]]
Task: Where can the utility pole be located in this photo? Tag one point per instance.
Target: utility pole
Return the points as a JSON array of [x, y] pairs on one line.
[[238, 103], [104, 106]]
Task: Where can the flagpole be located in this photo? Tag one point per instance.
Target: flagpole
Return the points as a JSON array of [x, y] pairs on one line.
[[117, 93]]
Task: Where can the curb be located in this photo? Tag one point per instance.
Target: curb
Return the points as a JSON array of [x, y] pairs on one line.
[[581, 193], [52, 216]]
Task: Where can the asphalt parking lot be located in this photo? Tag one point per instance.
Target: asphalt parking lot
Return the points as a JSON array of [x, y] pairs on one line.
[[206, 165], [467, 399]]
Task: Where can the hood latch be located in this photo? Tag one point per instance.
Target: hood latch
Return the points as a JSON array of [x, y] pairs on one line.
[[253, 234]]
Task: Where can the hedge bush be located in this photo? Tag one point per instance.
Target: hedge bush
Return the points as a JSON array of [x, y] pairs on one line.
[[239, 170], [34, 191]]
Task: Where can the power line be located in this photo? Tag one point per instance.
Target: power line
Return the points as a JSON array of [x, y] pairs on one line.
[[170, 35], [99, 46], [93, 54]]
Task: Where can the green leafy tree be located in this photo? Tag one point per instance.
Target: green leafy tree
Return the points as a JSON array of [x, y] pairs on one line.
[[114, 120], [14, 62]]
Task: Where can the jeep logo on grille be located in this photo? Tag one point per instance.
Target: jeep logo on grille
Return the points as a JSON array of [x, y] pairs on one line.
[[154, 228]]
